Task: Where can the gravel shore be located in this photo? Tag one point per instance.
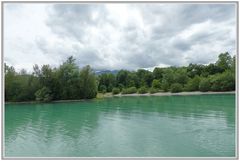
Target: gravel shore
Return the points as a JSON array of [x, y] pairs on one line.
[[174, 94]]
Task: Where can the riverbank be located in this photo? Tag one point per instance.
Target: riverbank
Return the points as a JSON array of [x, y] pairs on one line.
[[175, 94], [107, 95]]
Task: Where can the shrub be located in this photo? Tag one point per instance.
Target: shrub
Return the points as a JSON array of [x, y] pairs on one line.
[[142, 90], [223, 82], [156, 84], [165, 86], [115, 91], [216, 82], [193, 84], [153, 90], [204, 85], [130, 90], [176, 87], [43, 94]]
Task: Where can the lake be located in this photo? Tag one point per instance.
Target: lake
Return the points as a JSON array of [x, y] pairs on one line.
[[150, 126]]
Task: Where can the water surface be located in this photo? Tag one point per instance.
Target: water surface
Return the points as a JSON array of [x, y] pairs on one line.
[[167, 126]]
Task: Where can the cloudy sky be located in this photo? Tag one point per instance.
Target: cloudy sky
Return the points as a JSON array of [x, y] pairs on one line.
[[117, 36]]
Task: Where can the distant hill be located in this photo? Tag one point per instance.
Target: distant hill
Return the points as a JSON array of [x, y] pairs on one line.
[[99, 72]]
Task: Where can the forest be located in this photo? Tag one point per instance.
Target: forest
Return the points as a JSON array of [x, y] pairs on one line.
[[69, 82]]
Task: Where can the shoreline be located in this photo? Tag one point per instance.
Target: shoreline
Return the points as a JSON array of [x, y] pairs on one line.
[[174, 94], [109, 95]]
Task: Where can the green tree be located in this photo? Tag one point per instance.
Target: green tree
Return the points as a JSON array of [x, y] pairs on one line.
[[19, 86], [223, 82], [68, 80], [195, 69], [10, 83], [211, 69], [116, 91], [103, 89], [145, 76], [130, 90], [165, 86], [88, 86], [224, 61], [205, 85], [176, 87], [122, 77], [108, 80], [43, 94], [142, 90], [148, 78], [156, 84], [132, 80], [180, 76], [153, 90], [233, 65], [168, 77], [193, 84], [157, 73], [36, 70], [120, 86]]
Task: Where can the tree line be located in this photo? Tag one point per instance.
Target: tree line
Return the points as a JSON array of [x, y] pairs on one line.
[[63, 83], [218, 76], [68, 81]]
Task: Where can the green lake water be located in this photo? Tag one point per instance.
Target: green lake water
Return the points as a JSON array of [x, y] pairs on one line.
[[150, 126]]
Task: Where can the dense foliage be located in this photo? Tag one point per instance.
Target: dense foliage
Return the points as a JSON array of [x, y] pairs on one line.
[[46, 84], [142, 90], [153, 90], [69, 82], [129, 90], [176, 87], [205, 85], [116, 91], [219, 76]]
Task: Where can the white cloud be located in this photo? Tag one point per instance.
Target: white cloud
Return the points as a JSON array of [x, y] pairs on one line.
[[116, 36]]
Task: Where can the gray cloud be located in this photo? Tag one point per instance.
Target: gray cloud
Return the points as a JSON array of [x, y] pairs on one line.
[[72, 20], [131, 36]]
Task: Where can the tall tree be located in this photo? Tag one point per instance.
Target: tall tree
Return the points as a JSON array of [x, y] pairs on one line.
[[224, 61], [68, 77], [122, 77], [88, 86], [158, 73]]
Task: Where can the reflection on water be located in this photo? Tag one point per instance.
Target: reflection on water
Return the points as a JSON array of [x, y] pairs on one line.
[[128, 127]]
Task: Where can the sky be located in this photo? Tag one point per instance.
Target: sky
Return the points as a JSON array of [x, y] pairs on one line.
[[117, 36]]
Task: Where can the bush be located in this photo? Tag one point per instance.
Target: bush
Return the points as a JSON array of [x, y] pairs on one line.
[[130, 90], [156, 84], [204, 85], [223, 82], [142, 90], [176, 87], [43, 94], [115, 91], [193, 84], [153, 90], [165, 86], [124, 91]]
